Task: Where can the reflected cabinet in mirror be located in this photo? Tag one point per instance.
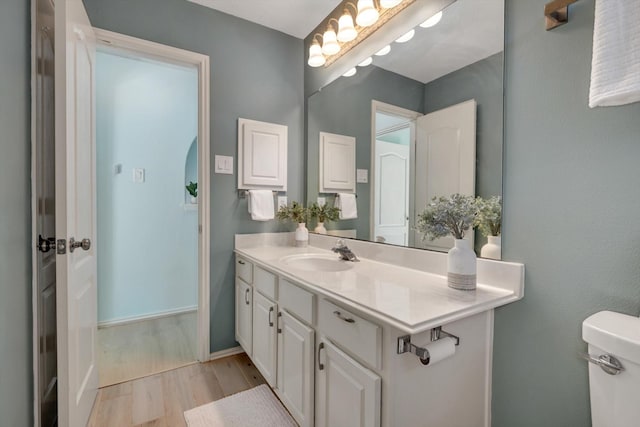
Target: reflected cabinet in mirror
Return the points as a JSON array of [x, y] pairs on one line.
[[427, 120]]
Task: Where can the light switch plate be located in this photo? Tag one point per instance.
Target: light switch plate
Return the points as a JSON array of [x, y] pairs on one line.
[[282, 201], [223, 164], [322, 201], [138, 175], [362, 176]]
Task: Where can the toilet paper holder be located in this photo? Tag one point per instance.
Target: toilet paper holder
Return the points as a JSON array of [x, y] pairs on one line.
[[405, 345]]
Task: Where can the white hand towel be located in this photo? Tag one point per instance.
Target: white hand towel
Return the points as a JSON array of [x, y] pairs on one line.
[[615, 65], [347, 204], [261, 206]]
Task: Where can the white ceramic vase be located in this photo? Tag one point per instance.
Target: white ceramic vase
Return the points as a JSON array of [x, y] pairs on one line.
[[492, 249], [302, 235], [320, 228], [461, 266], [193, 200]]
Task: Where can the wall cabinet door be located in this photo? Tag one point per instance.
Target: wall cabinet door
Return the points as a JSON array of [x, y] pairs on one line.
[[244, 316], [264, 337], [295, 368], [348, 394]]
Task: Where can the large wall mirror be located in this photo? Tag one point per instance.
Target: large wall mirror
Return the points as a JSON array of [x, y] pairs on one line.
[[405, 111]]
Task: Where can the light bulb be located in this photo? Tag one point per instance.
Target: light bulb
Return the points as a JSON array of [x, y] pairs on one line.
[[346, 29], [432, 21], [406, 37], [388, 4], [366, 62], [367, 13], [383, 51], [316, 58], [330, 44], [351, 72]]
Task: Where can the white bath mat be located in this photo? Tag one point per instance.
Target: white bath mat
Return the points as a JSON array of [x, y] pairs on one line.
[[251, 408]]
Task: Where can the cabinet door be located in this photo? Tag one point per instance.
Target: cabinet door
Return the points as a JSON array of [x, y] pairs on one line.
[[295, 368], [264, 337], [244, 315], [348, 394]]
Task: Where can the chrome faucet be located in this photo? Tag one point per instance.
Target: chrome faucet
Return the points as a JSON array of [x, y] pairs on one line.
[[344, 251]]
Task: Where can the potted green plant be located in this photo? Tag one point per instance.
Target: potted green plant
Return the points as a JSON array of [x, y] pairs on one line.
[[489, 221], [324, 213], [298, 214], [192, 189], [453, 215]]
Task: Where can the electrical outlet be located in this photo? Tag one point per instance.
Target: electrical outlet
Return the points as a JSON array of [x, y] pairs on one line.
[[282, 201], [362, 176], [321, 201], [138, 175]]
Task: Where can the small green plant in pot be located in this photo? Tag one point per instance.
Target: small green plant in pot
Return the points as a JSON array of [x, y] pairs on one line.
[[324, 213], [192, 189], [453, 215], [489, 222], [297, 213]]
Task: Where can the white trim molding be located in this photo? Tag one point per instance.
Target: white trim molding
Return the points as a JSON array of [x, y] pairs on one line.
[[148, 316], [226, 353], [108, 40]]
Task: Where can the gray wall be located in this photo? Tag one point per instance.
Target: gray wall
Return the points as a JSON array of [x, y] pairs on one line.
[[344, 107], [15, 215], [256, 73], [571, 215]]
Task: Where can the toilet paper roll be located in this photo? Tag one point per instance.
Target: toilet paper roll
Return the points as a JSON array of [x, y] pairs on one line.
[[439, 350]]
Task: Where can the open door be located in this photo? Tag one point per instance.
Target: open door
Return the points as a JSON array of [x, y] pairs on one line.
[[445, 160], [75, 224]]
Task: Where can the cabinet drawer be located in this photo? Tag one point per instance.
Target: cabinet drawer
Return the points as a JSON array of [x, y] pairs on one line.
[[244, 269], [265, 282], [351, 332], [296, 300]]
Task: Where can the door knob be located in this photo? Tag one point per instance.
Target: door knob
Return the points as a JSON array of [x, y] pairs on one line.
[[85, 244], [45, 245]]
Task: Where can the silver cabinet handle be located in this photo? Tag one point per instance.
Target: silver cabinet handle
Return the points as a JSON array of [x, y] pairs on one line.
[[246, 296], [341, 317], [241, 262], [85, 244], [320, 365], [270, 321], [610, 364]]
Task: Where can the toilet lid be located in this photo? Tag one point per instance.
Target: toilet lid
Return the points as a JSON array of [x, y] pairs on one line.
[[614, 333]]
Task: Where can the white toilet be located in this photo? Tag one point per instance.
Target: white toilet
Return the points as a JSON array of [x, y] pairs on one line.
[[614, 371]]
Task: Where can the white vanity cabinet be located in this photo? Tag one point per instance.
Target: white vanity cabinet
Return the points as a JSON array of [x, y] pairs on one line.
[[265, 337], [348, 394], [244, 315]]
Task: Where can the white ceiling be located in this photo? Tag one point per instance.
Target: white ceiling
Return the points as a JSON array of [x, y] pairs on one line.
[[294, 17], [470, 30]]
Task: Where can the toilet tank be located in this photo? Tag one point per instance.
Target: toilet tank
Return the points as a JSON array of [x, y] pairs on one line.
[[615, 399]]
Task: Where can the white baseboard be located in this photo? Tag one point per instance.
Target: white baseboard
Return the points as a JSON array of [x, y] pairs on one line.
[[140, 318], [225, 353]]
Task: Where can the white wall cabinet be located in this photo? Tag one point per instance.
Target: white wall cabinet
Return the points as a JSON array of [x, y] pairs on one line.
[[348, 394], [262, 155], [295, 368], [264, 337], [244, 315], [337, 163]]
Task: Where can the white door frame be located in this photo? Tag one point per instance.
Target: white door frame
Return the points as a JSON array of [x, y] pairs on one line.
[[382, 107], [138, 47]]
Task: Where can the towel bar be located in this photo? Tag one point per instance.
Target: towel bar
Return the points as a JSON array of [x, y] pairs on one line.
[[243, 193]]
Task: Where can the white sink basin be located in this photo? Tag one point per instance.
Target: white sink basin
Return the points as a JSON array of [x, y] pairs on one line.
[[317, 262]]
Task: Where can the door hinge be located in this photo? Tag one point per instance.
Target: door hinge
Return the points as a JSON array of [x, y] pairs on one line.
[[61, 246]]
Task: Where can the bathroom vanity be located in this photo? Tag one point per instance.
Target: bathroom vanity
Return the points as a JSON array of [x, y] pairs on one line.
[[339, 342]]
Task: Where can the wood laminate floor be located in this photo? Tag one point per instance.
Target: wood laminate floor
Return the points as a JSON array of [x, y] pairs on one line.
[[147, 347], [160, 400]]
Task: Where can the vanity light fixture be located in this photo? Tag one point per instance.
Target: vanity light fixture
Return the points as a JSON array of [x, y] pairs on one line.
[[406, 37], [383, 51], [388, 4], [367, 13], [366, 62], [432, 21], [351, 72], [316, 58], [346, 30], [330, 45]]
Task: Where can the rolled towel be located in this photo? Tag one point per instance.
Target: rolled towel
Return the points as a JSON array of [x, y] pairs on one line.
[[615, 65], [348, 205], [261, 206]]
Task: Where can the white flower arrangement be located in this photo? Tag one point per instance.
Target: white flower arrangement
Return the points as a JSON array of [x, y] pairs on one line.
[[489, 216], [447, 215]]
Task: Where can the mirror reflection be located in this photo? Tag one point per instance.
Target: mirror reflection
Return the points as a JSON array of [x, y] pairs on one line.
[[427, 120]]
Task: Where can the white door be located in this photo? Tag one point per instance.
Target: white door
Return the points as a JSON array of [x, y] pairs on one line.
[[264, 337], [445, 160], [295, 368], [391, 203], [75, 213], [244, 314], [348, 393]]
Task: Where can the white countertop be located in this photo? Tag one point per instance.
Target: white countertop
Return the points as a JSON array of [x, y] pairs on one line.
[[408, 299]]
